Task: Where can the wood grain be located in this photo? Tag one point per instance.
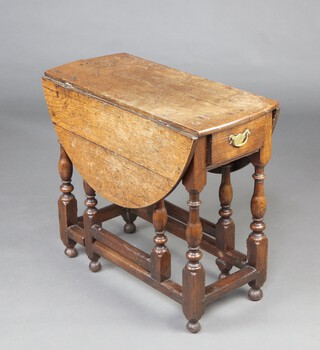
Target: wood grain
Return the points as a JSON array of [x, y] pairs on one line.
[[118, 180], [116, 151], [221, 150], [183, 101]]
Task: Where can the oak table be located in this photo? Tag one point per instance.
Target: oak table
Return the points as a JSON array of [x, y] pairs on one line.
[[134, 129]]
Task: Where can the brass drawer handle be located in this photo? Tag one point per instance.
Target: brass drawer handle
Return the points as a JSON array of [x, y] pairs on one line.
[[240, 139]]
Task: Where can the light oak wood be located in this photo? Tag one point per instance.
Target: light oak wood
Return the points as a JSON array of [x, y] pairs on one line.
[[117, 179], [223, 152], [111, 158], [183, 101]]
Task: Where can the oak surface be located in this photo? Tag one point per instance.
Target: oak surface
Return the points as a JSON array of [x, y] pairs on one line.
[[179, 100], [129, 160], [223, 152]]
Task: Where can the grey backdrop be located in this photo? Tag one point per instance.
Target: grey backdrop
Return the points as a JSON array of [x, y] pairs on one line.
[[50, 302]]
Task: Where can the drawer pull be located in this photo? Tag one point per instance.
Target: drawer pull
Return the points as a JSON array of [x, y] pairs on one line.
[[240, 139]]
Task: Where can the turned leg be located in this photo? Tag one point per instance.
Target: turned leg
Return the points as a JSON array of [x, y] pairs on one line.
[[193, 274], [193, 278], [160, 255], [225, 228], [129, 217], [67, 204], [257, 242], [91, 217]]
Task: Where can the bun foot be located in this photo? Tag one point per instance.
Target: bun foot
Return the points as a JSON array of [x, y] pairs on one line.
[[255, 294], [71, 252], [129, 228], [95, 266], [193, 326], [129, 217]]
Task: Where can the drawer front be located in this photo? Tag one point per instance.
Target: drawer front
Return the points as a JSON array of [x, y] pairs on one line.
[[236, 142]]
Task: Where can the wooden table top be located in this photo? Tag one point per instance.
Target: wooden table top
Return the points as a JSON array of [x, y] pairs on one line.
[[184, 102], [131, 127]]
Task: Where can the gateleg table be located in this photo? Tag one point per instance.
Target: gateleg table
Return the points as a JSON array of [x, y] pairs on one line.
[[134, 130]]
